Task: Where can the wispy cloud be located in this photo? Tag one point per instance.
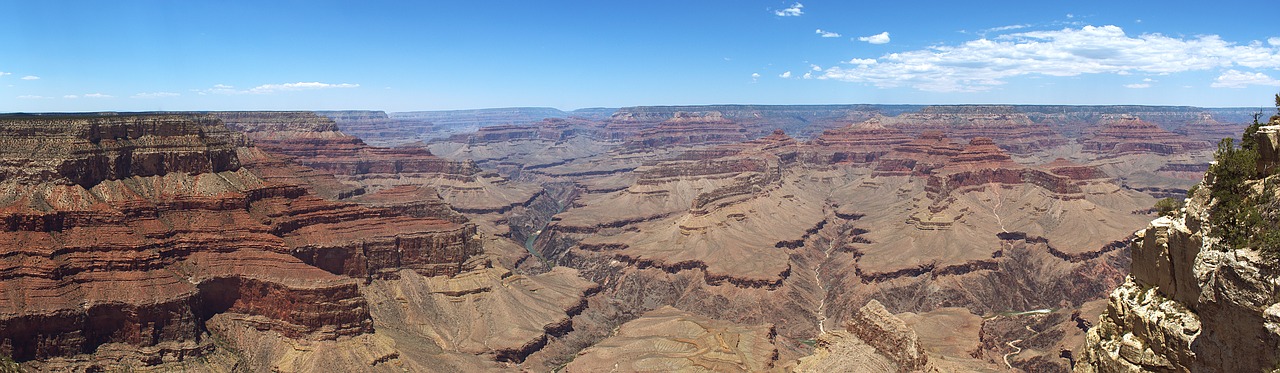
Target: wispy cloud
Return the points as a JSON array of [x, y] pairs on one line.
[[30, 77], [755, 77], [97, 95], [880, 38], [784, 75], [826, 34], [1275, 42], [223, 89], [861, 61], [1007, 28], [70, 96], [1238, 79], [32, 97], [155, 95], [2, 73], [982, 64], [795, 10], [1137, 85]]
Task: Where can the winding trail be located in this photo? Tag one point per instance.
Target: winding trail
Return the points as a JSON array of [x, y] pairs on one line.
[[1013, 344]]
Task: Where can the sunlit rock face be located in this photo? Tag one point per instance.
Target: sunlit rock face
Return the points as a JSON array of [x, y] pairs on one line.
[[1189, 305]]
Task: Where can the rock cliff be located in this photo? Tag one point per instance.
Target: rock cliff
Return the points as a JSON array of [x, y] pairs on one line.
[[1123, 134], [188, 247], [1192, 302]]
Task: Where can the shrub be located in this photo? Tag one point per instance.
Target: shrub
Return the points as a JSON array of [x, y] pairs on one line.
[[1168, 206]]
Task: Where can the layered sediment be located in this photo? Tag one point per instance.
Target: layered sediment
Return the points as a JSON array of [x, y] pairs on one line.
[[137, 229]]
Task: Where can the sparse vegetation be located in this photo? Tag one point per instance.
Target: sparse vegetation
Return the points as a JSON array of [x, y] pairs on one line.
[[1241, 215], [1168, 206], [7, 365]]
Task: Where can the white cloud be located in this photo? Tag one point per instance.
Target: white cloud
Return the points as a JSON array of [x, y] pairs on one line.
[[2, 73], [982, 64], [826, 34], [1137, 85], [155, 95], [1275, 42], [1006, 28], [97, 95], [299, 86], [880, 38], [808, 75], [785, 75], [815, 67], [1069, 15], [794, 11], [273, 88], [1237, 79], [32, 97], [30, 77], [755, 77], [1148, 80], [70, 96], [861, 61]]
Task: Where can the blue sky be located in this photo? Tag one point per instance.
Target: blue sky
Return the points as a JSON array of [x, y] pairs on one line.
[[401, 56]]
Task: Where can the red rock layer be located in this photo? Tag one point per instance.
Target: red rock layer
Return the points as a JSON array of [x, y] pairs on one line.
[[1126, 134], [918, 157], [144, 259], [85, 150], [982, 162], [688, 129], [860, 143], [1013, 131], [1075, 171]]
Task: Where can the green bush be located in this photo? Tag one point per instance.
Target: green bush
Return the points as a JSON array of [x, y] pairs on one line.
[[1168, 206], [1241, 217]]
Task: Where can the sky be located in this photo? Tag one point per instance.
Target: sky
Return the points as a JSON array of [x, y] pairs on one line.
[[428, 55]]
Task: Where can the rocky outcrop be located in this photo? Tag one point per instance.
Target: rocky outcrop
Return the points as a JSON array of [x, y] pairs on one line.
[[669, 339], [1188, 304], [892, 345], [85, 150], [687, 128], [1013, 130], [918, 157], [1126, 134], [178, 232], [860, 143], [982, 162]]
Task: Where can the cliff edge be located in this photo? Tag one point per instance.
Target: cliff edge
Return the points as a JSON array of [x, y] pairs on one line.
[[1204, 291]]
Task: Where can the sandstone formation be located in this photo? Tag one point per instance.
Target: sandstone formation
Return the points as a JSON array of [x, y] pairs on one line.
[[1013, 130], [918, 157], [668, 339], [864, 142], [682, 128], [142, 239], [144, 253], [1190, 304], [1124, 134]]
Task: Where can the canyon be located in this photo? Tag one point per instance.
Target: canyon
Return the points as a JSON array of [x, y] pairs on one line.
[[721, 237]]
